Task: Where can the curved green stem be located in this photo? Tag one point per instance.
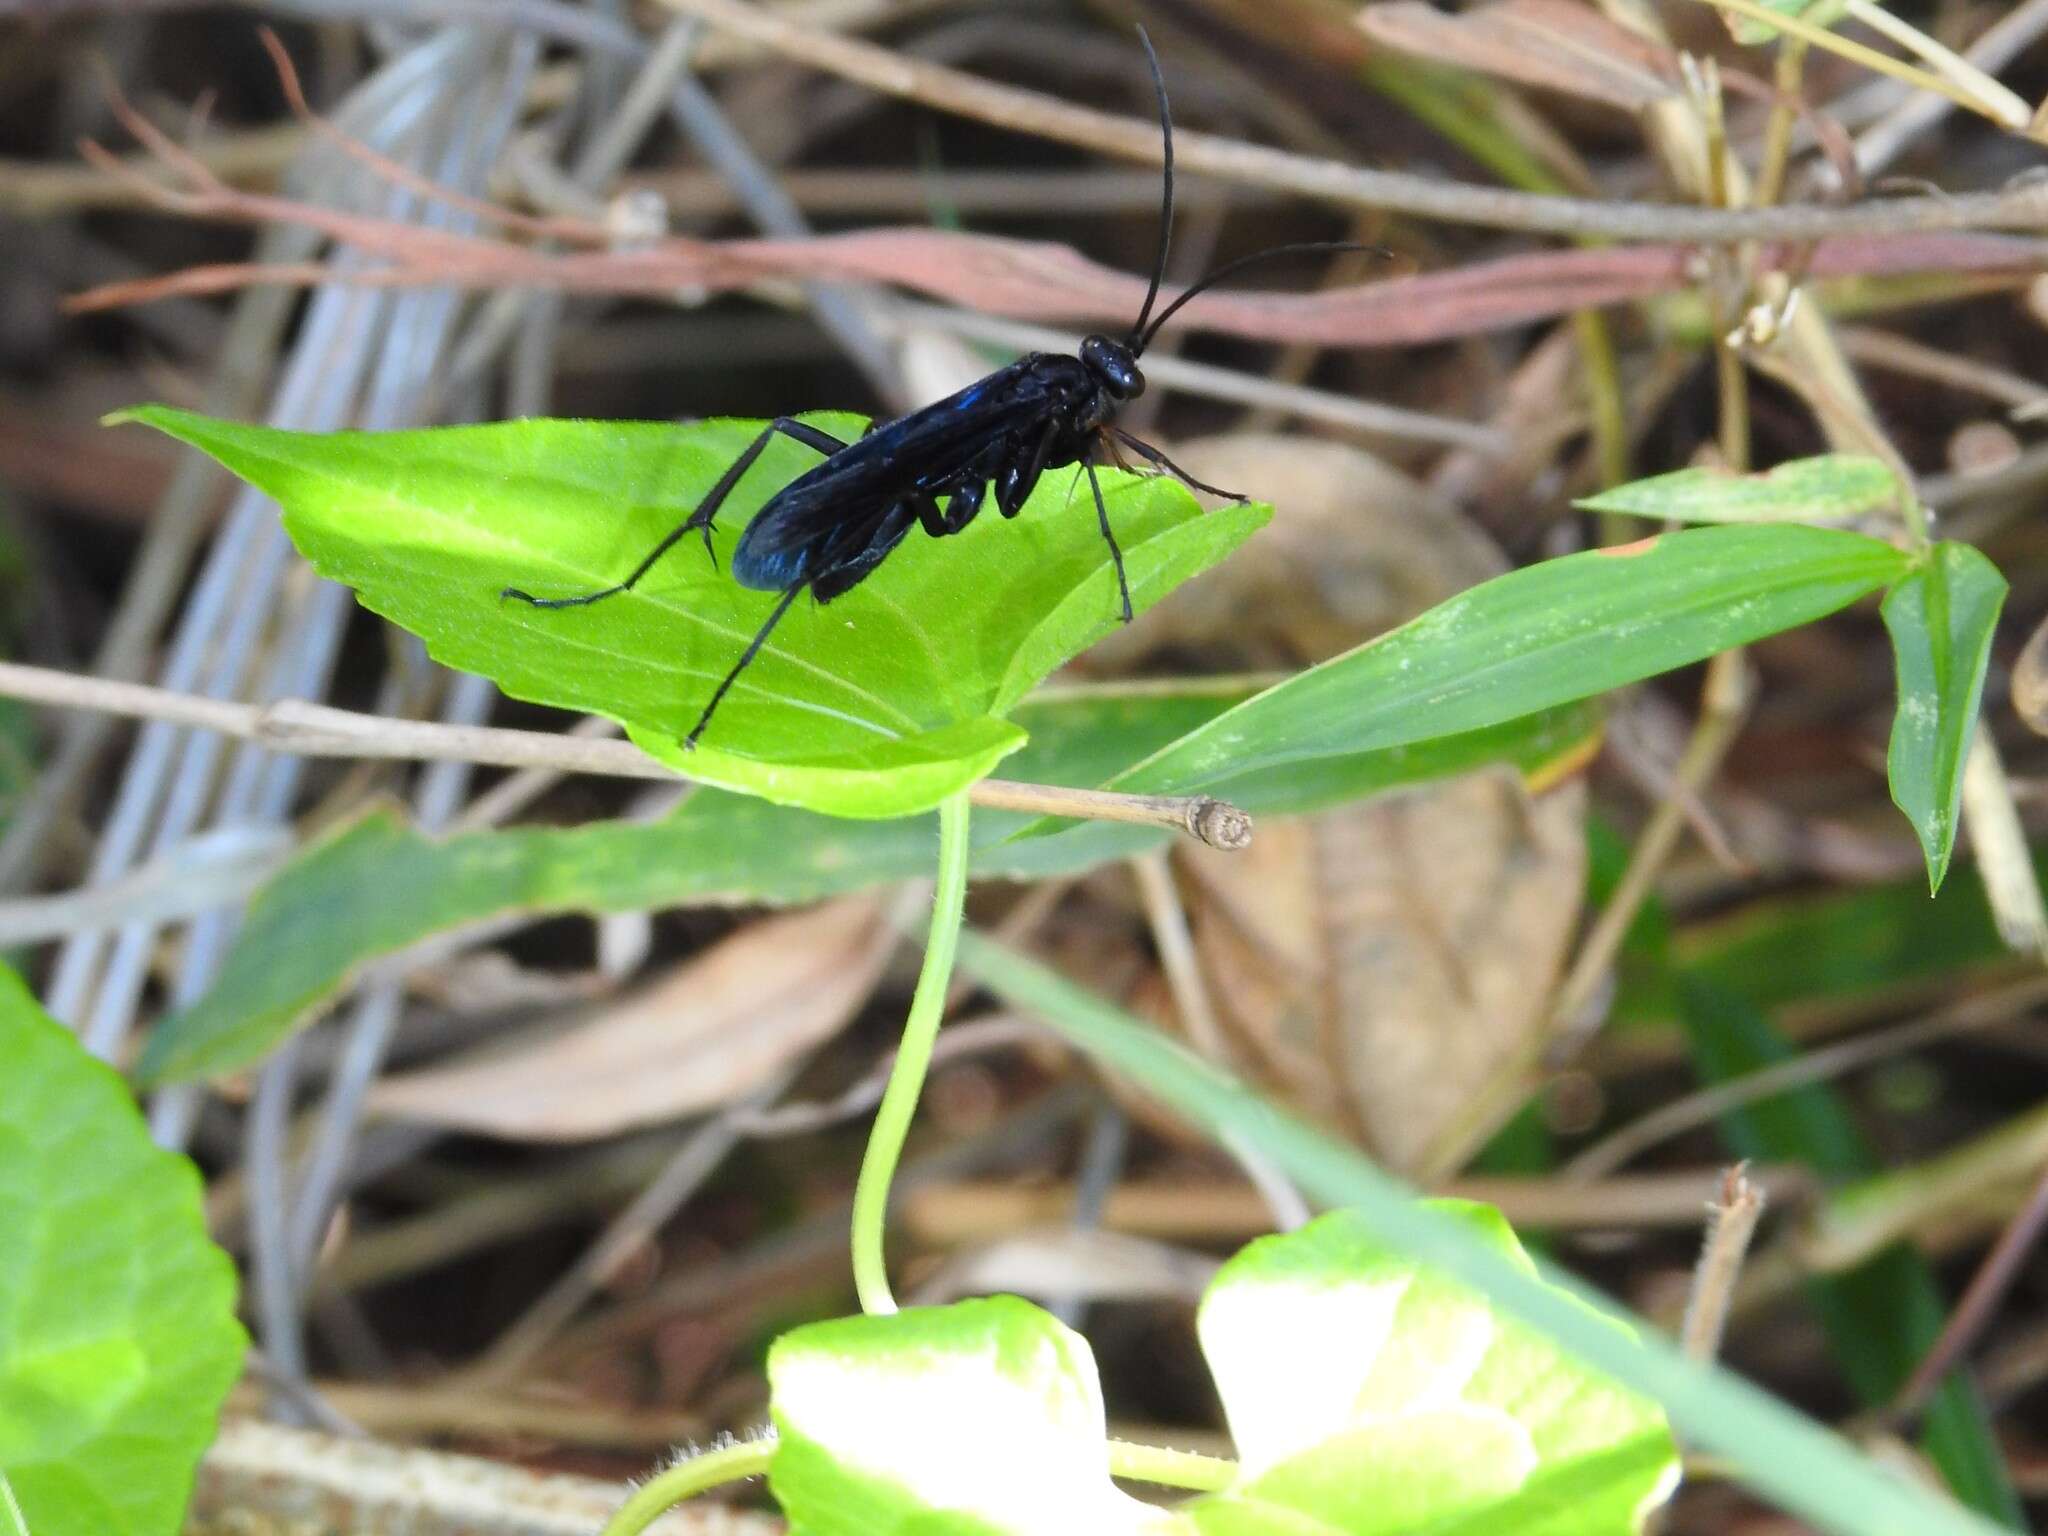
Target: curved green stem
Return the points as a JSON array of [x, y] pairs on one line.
[[1170, 1469], [906, 1079], [749, 1458]]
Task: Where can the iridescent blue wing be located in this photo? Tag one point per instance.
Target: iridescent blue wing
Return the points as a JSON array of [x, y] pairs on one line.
[[829, 513]]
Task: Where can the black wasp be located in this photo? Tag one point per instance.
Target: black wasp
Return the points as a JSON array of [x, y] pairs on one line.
[[830, 527]]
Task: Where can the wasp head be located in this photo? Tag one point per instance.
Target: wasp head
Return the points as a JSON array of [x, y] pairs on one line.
[[1114, 365]]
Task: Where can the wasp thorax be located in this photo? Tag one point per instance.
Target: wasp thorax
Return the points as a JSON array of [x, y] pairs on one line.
[[1114, 365]]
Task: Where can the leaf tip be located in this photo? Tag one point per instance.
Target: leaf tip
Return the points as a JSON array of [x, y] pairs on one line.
[[148, 414]]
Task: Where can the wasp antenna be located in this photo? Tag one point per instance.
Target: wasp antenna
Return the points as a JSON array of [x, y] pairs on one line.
[[1165, 193], [1209, 279]]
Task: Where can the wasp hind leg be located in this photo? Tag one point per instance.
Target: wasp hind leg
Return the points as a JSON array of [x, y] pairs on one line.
[[746, 660], [699, 520]]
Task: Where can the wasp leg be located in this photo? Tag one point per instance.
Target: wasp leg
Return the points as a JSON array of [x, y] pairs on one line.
[[701, 519], [876, 540], [1016, 479], [965, 502], [1123, 587], [1147, 451], [746, 659]]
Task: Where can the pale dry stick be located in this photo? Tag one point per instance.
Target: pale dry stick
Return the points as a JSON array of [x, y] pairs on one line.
[[1169, 923], [1630, 749], [1987, 1288], [1788, 77], [404, 177], [1197, 1010], [1724, 704], [514, 793], [211, 869], [33, 189], [1916, 359], [414, 1410], [1709, 1104], [908, 194], [950, 90], [1997, 46], [259, 1477], [1940, 1203], [1994, 100], [316, 730], [471, 127], [1978, 93], [1731, 1223], [1180, 1210], [1572, 1017], [1703, 80], [1991, 821]]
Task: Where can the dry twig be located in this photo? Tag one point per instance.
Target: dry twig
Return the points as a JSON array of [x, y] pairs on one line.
[[316, 730]]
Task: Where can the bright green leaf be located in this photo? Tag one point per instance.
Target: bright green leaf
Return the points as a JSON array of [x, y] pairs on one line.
[[1833, 488], [118, 1338], [880, 704], [980, 1418], [1941, 619], [378, 887], [1533, 639], [1376, 1396]]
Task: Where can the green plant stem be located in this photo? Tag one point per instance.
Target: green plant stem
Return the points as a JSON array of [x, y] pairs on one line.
[[913, 1057], [1606, 410], [653, 1499], [1170, 1469], [1788, 78]]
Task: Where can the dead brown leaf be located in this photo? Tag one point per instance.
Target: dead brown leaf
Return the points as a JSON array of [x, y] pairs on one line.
[[1384, 960], [695, 1039], [1377, 962]]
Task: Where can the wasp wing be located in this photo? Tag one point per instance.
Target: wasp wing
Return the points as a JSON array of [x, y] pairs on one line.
[[830, 513]]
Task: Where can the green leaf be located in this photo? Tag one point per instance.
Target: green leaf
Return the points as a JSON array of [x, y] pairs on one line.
[[880, 704], [1838, 949], [1374, 1395], [1833, 488], [1798, 1464], [1941, 618], [979, 1418], [118, 1338], [376, 887], [1822, 13], [1533, 639]]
